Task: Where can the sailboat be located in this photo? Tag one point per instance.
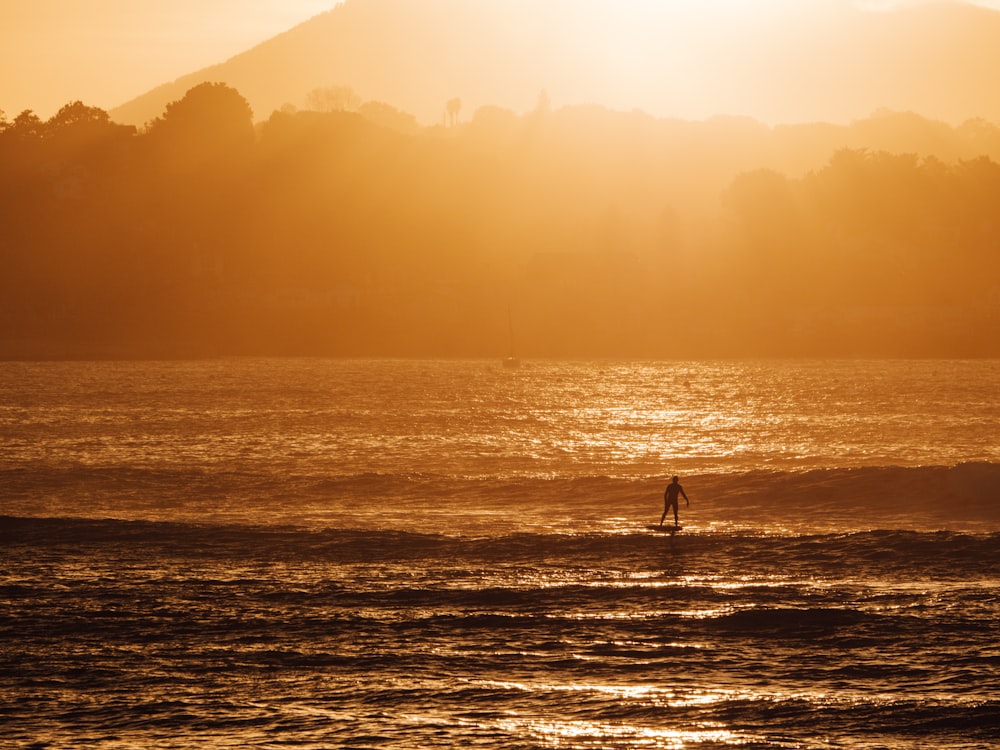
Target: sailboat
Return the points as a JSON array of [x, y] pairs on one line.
[[510, 360]]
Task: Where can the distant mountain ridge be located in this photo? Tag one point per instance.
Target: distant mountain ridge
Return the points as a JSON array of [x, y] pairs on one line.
[[939, 60]]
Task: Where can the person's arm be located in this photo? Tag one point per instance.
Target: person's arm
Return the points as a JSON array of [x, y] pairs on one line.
[[686, 501]]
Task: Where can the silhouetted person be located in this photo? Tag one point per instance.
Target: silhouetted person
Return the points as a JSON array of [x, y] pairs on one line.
[[670, 499]]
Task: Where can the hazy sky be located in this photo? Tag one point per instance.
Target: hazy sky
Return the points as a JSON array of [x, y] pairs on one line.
[[105, 52]]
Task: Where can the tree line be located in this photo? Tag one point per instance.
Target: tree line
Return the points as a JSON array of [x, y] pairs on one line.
[[353, 231]]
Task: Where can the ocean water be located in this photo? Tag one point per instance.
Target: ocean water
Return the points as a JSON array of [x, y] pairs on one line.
[[415, 554]]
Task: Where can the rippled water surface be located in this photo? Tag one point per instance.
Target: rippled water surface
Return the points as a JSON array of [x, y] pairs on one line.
[[475, 418], [320, 554]]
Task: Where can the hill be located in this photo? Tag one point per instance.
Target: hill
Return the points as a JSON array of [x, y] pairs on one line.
[[835, 65]]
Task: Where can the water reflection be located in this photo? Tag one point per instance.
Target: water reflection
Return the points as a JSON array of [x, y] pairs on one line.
[[654, 730], [468, 417], [589, 734]]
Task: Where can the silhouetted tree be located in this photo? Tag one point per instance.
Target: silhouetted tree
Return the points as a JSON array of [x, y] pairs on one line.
[[27, 125], [211, 127], [21, 146], [768, 269], [452, 109], [543, 105], [333, 99], [87, 137], [76, 114], [387, 116], [197, 230]]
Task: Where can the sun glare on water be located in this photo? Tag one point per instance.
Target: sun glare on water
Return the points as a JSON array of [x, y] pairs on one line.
[[556, 733]]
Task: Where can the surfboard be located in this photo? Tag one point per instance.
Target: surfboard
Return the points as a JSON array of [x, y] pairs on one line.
[[665, 529]]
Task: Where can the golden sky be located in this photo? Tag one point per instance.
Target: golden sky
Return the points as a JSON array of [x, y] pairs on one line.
[[106, 52]]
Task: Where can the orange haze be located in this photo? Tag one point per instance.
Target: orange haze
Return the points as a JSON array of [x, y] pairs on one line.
[[461, 209]]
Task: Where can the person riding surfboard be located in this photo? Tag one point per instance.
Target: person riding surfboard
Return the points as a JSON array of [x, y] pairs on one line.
[[670, 499]]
